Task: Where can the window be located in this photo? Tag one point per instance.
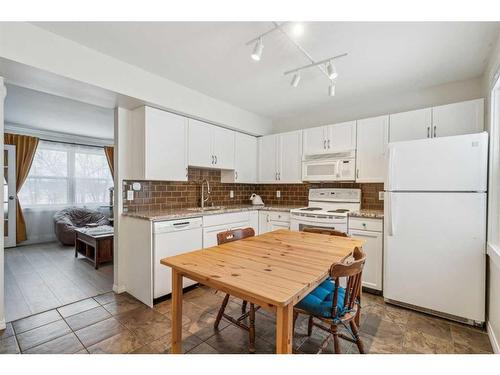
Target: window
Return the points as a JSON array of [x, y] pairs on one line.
[[66, 175]]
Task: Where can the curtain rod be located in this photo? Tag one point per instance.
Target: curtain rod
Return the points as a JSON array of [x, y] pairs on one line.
[[70, 143]]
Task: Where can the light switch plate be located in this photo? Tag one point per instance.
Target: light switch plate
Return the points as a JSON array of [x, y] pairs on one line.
[[278, 194], [231, 194], [130, 195], [380, 195]]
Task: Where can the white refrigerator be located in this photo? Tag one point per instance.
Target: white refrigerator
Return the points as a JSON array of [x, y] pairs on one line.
[[435, 225]]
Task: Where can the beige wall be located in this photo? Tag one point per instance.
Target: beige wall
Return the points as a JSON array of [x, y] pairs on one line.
[[493, 287], [370, 106]]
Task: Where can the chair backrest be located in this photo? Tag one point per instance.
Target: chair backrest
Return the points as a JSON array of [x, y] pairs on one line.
[[350, 269], [234, 235], [331, 232]]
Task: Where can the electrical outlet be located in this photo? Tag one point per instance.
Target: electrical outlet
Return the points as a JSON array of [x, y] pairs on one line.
[[231, 194], [130, 195], [278, 194], [380, 195]]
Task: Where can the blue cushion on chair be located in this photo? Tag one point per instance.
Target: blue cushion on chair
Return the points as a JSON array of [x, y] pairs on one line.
[[320, 300]]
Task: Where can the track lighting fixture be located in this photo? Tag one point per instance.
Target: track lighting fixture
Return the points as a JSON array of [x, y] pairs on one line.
[[295, 79], [326, 66], [257, 50], [331, 71], [331, 89]]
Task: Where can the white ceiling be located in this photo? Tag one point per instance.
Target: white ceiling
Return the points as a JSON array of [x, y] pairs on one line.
[[211, 57], [37, 110]]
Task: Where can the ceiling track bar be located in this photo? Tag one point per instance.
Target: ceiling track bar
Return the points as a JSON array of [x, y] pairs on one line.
[[276, 27], [315, 64], [302, 50]]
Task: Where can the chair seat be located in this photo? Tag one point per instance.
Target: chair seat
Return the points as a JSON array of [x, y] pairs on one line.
[[319, 302]]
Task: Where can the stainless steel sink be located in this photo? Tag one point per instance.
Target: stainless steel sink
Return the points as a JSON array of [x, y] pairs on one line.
[[210, 208]]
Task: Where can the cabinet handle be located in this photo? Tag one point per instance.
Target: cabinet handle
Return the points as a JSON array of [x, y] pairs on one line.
[[212, 160], [357, 173], [186, 172], [435, 135], [279, 175], [428, 132], [324, 144], [328, 143], [215, 159], [235, 175]]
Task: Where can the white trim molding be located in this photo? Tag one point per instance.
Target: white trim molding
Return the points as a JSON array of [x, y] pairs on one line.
[[3, 325], [494, 253], [493, 340], [118, 289]]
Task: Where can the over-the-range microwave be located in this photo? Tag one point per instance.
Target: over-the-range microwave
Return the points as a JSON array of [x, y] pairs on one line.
[[329, 167]]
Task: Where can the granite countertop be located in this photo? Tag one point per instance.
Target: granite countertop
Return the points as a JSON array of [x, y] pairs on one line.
[[370, 214], [180, 213]]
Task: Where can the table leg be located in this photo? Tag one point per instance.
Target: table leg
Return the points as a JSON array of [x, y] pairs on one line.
[[176, 312], [284, 329]]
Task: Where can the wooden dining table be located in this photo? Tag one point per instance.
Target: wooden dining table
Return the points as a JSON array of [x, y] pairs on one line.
[[274, 270]]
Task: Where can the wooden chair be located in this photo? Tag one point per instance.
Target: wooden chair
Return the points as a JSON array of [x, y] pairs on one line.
[[331, 232], [222, 238], [334, 305]]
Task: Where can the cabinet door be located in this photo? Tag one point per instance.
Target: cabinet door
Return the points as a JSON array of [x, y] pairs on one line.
[[372, 271], [315, 140], [341, 137], [200, 144], [458, 118], [245, 154], [264, 225], [372, 135], [407, 126], [210, 235], [165, 146], [268, 167], [223, 147], [290, 157]]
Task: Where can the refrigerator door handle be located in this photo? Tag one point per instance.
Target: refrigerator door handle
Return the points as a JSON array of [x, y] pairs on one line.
[[390, 168], [390, 214]]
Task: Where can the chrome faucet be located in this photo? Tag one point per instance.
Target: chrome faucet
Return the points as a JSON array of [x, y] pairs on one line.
[[203, 199]]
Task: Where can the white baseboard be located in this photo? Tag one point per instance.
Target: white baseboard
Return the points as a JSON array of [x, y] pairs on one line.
[[119, 288], [493, 339], [2, 324]]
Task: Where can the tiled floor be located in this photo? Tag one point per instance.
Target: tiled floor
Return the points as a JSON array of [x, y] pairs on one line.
[[46, 276], [111, 323]]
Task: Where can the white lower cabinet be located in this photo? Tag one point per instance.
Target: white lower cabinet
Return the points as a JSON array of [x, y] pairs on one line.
[[273, 220], [370, 230], [214, 224]]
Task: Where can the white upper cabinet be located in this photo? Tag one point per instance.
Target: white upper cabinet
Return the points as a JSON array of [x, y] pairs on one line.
[[157, 144], [458, 118], [268, 158], [372, 139], [223, 147], [245, 160], [210, 146], [280, 157], [407, 126], [290, 157], [315, 140], [341, 137], [330, 139]]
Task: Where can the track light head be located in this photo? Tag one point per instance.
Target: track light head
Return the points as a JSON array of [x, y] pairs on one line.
[[331, 70], [295, 79], [331, 89], [257, 50]]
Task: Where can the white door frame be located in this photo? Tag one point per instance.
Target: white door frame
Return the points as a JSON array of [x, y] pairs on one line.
[[10, 239], [3, 93]]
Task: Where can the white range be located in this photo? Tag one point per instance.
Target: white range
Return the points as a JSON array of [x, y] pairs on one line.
[[328, 208]]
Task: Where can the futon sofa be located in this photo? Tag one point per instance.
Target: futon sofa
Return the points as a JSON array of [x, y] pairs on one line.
[[67, 220]]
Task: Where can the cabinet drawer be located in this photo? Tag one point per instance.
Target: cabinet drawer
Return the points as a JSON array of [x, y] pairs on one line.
[[279, 216], [360, 223], [222, 219]]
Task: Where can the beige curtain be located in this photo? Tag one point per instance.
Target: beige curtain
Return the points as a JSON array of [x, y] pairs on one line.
[[109, 151], [25, 152]]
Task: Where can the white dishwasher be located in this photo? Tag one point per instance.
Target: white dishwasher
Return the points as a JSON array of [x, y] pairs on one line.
[[170, 238]]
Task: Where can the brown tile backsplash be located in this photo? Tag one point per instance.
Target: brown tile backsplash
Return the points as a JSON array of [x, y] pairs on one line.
[[174, 194]]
